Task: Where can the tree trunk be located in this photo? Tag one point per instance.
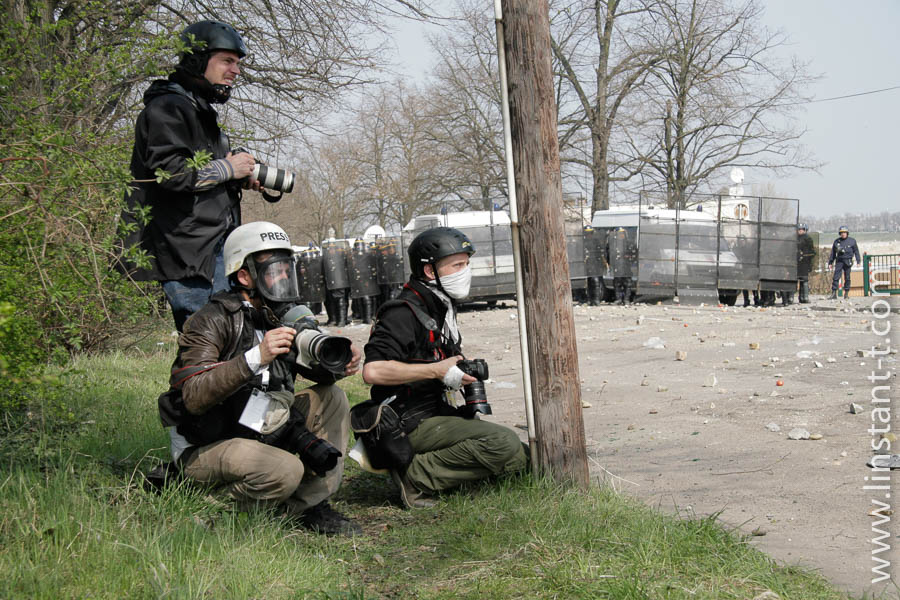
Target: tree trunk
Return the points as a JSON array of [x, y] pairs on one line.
[[548, 295]]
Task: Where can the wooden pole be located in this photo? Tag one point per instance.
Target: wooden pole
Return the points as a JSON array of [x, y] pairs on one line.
[[547, 292]]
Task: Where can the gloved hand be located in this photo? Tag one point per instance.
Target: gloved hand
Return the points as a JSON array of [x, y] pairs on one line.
[[317, 454]]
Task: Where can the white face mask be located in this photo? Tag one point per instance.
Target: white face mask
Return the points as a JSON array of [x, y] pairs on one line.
[[457, 285]]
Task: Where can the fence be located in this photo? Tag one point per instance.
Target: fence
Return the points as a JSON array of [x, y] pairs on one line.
[[880, 274]]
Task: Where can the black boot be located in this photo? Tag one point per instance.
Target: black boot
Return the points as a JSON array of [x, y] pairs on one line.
[[787, 298], [341, 312], [330, 310], [804, 292], [321, 518], [833, 295], [368, 308]]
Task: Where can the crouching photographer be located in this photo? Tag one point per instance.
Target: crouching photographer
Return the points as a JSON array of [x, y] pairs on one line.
[[418, 423], [234, 419]]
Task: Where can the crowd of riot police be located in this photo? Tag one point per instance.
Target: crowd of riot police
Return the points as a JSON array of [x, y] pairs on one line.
[[350, 278]]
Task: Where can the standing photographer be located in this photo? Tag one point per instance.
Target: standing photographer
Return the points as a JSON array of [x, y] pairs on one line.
[[191, 211], [233, 417], [411, 358]]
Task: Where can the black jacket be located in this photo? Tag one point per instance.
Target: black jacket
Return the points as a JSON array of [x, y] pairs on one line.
[[844, 250], [185, 224], [398, 334], [210, 381], [806, 253]]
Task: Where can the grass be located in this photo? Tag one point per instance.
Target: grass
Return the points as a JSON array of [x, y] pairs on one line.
[[75, 523]]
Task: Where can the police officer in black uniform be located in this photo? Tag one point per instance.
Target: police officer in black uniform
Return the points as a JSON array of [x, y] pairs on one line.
[[843, 251], [411, 362], [619, 256], [806, 254]]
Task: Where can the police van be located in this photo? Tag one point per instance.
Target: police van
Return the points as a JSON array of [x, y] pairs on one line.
[[493, 276]]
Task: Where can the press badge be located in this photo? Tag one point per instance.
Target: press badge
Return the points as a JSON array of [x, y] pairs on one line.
[[254, 415]]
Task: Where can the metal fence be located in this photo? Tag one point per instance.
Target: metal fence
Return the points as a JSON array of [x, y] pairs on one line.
[[716, 245], [881, 274]]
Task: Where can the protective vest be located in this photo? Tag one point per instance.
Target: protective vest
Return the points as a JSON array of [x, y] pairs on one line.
[[421, 399]]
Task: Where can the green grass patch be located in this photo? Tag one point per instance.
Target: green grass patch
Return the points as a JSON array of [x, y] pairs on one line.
[[76, 523]]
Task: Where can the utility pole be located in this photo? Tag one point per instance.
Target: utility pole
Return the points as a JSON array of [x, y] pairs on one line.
[[547, 291]]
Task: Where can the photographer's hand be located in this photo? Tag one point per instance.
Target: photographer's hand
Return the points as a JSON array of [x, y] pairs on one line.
[[353, 365], [241, 164], [442, 367], [275, 342]]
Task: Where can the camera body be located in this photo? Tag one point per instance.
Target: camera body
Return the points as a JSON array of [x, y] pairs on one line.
[[474, 393], [313, 348]]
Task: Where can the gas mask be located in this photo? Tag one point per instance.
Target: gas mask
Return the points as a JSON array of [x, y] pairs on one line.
[[275, 277]]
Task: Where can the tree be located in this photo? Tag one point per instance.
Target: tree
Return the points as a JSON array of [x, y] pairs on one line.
[[721, 98], [464, 106], [602, 63]]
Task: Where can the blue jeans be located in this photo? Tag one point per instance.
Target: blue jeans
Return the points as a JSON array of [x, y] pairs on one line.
[[187, 296]]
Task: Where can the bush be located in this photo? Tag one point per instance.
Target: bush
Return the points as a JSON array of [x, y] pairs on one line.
[[66, 81]]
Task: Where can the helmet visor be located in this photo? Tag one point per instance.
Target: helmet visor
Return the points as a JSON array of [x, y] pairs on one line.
[[276, 276]]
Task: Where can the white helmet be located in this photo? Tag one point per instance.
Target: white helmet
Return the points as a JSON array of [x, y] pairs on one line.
[[250, 238], [276, 276]]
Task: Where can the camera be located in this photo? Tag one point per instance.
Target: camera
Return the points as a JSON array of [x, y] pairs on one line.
[[318, 454], [476, 398], [271, 178], [312, 347]]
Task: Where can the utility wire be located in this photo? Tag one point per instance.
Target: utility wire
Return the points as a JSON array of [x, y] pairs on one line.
[[896, 87]]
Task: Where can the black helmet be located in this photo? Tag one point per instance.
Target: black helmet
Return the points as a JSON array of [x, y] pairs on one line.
[[432, 245], [843, 229], [803, 226], [214, 35], [207, 37]]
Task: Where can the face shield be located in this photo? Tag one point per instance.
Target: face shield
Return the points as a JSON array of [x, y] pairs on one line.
[[276, 276]]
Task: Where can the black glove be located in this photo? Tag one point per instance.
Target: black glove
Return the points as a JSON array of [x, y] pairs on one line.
[[317, 454]]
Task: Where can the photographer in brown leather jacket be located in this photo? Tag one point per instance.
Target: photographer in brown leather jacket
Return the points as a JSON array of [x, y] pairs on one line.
[[233, 417]]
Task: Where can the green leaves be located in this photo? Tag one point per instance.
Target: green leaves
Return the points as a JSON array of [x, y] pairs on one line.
[[200, 159], [162, 175]]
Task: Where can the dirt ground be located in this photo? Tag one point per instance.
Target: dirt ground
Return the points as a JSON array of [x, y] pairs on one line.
[[694, 436]]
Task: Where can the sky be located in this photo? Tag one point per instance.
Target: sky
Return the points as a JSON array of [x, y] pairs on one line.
[[855, 48]]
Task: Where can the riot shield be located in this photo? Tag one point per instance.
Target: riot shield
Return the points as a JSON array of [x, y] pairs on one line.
[[575, 254], [778, 244], [310, 276], [363, 270], [390, 261], [620, 252], [334, 264], [594, 244]]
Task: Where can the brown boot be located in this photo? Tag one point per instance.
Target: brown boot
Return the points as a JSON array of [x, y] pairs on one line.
[[410, 494]]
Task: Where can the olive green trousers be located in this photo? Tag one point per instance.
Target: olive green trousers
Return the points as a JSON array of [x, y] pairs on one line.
[[451, 451]]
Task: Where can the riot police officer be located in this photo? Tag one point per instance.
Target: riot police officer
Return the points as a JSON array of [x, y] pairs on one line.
[[593, 265], [619, 256], [337, 281], [806, 254], [363, 279], [843, 251]]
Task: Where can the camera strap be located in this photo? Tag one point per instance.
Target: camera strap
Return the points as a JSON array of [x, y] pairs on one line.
[[271, 197]]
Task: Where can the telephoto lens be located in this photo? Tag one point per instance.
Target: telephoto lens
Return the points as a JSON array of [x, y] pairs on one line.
[[274, 179], [476, 397]]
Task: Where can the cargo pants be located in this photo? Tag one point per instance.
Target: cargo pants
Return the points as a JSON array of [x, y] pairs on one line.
[[254, 473], [451, 451]]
